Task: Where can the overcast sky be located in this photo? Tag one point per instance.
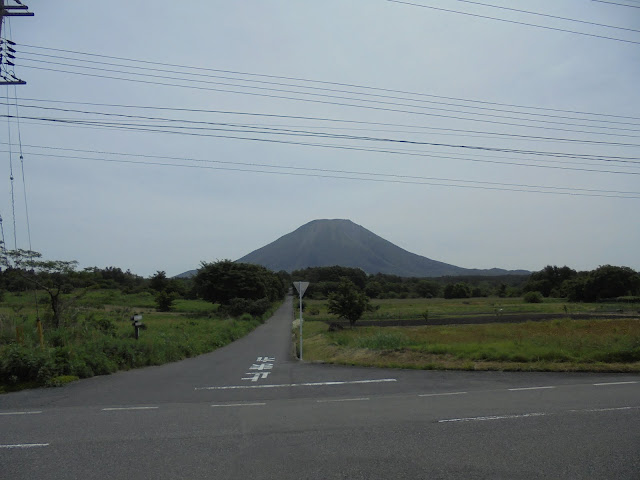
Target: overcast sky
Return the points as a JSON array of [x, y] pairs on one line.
[[464, 139]]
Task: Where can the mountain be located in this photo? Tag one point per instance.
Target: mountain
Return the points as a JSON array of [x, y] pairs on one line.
[[323, 243]]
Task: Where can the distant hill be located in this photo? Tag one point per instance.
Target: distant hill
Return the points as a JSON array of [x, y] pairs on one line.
[[323, 243]]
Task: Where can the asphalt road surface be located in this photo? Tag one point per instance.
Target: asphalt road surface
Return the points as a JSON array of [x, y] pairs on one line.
[[251, 411]]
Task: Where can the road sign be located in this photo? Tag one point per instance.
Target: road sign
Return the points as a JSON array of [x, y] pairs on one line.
[[301, 287]]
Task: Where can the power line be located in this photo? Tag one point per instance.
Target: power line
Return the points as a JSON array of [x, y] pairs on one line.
[[502, 110], [325, 102], [615, 3], [515, 22], [13, 200], [398, 152], [528, 12], [274, 130], [377, 177], [137, 127], [324, 82], [272, 115]]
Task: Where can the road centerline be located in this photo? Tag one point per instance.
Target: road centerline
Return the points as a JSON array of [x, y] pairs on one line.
[[492, 417], [343, 400], [255, 404], [442, 394], [25, 445], [614, 383], [21, 413], [113, 409], [531, 388]]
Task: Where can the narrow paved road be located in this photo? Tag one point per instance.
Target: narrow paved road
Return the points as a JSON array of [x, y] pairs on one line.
[[249, 410]]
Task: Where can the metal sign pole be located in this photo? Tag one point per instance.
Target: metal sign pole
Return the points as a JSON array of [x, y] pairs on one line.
[[300, 290], [301, 287]]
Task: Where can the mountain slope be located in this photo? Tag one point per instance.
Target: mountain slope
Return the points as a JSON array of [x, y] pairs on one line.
[[341, 242]]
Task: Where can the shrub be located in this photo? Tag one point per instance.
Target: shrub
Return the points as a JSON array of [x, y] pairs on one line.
[[164, 301], [532, 297]]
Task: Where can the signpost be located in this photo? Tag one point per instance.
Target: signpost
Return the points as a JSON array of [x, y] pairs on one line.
[[301, 287], [136, 321]]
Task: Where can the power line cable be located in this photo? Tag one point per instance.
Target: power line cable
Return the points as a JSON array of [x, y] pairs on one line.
[[390, 178], [389, 151], [136, 67], [155, 128], [194, 122], [617, 4], [528, 12], [323, 82], [436, 155], [338, 97], [324, 102], [515, 22], [24, 184], [13, 200], [272, 115]]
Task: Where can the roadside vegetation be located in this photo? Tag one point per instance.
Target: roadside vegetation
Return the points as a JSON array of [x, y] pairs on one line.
[[554, 345], [592, 323], [86, 317]]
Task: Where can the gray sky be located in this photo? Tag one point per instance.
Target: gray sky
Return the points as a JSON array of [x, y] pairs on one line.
[[450, 203]]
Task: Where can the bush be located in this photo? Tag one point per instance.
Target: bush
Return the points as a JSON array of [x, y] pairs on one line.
[[164, 301], [239, 306], [532, 297], [19, 364]]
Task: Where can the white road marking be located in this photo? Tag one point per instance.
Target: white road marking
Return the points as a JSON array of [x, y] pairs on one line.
[[343, 400], [613, 409], [529, 388], [25, 445], [111, 409], [614, 383], [21, 413], [442, 394], [492, 417], [287, 385], [238, 404]]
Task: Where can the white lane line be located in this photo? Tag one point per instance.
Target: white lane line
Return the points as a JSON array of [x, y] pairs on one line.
[[442, 394], [238, 405], [529, 388], [21, 413], [112, 409], [612, 409], [343, 400], [614, 383], [25, 445], [287, 385], [492, 417]]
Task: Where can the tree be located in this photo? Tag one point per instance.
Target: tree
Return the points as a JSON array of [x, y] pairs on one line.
[[549, 279], [225, 280], [49, 275], [427, 288], [164, 301], [457, 290], [348, 302], [159, 281]]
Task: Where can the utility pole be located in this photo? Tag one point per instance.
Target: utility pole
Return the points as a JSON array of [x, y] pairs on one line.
[[15, 9]]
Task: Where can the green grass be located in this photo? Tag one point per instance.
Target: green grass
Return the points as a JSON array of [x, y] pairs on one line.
[[560, 345], [97, 336], [415, 308]]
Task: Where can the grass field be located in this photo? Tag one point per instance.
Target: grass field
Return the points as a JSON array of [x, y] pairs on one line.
[[97, 336], [556, 345], [417, 308]]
